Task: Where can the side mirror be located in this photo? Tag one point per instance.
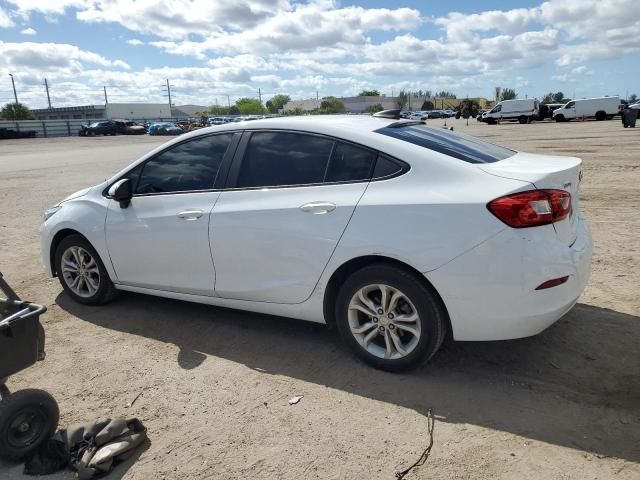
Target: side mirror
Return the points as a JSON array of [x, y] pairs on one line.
[[121, 192]]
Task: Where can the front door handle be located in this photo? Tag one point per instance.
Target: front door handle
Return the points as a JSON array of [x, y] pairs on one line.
[[190, 214], [318, 208]]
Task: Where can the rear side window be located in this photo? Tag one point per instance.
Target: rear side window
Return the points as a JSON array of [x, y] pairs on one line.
[[455, 144], [386, 167], [188, 166], [282, 158], [350, 163]]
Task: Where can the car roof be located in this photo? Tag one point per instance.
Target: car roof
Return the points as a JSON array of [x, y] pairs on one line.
[[327, 124]]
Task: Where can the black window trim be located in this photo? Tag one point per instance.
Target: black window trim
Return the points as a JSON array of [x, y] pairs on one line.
[[234, 173], [219, 181]]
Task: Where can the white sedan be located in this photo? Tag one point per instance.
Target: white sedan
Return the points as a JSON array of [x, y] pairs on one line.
[[396, 233]]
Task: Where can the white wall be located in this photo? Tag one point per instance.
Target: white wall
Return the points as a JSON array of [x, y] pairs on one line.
[[138, 110]]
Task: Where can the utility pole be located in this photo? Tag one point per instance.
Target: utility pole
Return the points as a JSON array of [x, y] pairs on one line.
[[106, 100], [15, 95], [317, 99], [228, 102], [46, 86], [168, 87], [260, 95]]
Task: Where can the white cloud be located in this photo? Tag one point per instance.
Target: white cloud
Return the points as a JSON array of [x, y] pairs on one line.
[[28, 31], [31, 58], [5, 20], [299, 46]]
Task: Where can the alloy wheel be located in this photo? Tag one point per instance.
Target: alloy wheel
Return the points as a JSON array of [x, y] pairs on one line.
[[384, 321], [80, 272]]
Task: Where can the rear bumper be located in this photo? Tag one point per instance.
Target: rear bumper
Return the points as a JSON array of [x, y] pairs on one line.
[[490, 293]]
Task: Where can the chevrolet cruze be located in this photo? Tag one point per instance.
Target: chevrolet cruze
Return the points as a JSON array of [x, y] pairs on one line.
[[396, 233]]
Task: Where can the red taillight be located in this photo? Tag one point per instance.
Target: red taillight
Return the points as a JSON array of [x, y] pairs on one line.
[[552, 283], [532, 208]]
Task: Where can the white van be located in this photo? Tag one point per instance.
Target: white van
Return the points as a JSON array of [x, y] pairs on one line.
[[522, 110], [600, 108]]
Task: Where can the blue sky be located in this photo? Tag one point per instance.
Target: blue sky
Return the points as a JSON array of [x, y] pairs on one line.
[[211, 49]]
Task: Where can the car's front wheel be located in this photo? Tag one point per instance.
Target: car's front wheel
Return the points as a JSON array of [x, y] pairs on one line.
[[390, 318], [81, 272]]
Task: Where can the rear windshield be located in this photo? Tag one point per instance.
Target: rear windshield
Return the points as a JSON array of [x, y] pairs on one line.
[[455, 144]]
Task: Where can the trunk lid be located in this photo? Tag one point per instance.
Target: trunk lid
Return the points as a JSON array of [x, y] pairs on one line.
[[545, 171]]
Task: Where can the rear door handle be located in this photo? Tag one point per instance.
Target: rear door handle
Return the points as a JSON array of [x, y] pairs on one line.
[[318, 208], [190, 214]]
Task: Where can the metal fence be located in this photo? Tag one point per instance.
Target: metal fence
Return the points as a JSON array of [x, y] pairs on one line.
[[61, 128]]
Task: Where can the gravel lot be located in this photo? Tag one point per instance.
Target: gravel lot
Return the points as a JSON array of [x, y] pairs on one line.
[[215, 383]]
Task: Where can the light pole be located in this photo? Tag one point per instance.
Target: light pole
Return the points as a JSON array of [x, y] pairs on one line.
[[13, 83]]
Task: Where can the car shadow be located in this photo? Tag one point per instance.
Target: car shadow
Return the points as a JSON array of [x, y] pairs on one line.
[[575, 385]]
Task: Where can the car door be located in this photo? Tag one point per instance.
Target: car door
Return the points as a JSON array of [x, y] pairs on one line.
[[161, 240], [293, 194], [570, 110]]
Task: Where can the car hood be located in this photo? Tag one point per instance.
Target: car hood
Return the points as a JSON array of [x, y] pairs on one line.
[[78, 194]]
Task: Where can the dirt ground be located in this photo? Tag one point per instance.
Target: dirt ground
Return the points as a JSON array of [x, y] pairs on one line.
[[214, 384]]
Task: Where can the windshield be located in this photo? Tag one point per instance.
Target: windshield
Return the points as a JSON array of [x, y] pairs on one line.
[[455, 144], [94, 124]]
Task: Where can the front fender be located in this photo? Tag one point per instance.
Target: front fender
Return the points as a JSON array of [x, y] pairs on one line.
[[86, 216]]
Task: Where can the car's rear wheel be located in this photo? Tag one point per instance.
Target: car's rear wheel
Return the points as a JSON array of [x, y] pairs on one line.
[[600, 115], [390, 318], [81, 272]]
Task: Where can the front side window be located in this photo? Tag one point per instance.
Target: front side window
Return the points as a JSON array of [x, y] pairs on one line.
[[192, 165], [282, 158], [570, 105], [496, 109]]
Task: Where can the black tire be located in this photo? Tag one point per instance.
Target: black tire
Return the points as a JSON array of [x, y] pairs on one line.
[[428, 306], [27, 418], [522, 119], [105, 291], [559, 118], [600, 115]]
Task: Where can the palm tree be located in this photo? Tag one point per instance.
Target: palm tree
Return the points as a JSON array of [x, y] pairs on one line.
[[16, 111], [508, 94]]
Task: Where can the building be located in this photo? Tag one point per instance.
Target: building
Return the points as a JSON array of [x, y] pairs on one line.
[[188, 110], [82, 112], [138, 111]]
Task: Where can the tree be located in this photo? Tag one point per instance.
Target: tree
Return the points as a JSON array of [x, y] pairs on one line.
[[217, 110], [332, 105], [375, 108], [250, 106], [403, 99], [16, 111], [277, 103], [632, 98], [508, 94], [445, 94], [558, 97], [428, 105], [369, 93]]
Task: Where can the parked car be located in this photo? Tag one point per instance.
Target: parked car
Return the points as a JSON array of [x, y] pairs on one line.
[[635, 105], [99, 128], [405, 114], [129, 127], [600, 108], [419, 115], [9, 133], [165, 128], [524, 111], [395, 232], [434, 114]]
